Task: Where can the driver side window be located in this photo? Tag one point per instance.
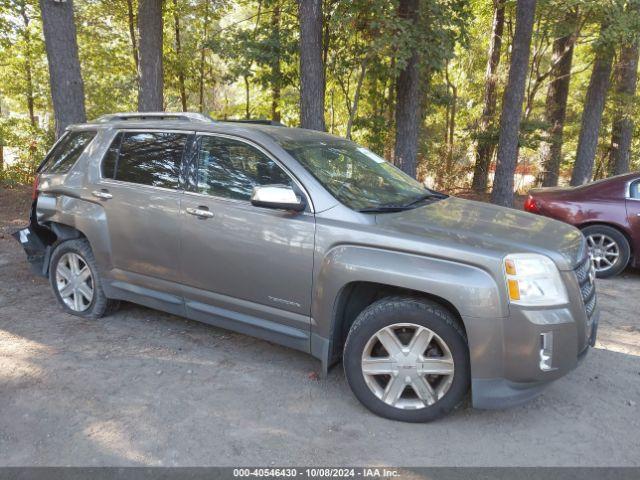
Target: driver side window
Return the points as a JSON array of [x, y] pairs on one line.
[[634, 190], [231, 169]]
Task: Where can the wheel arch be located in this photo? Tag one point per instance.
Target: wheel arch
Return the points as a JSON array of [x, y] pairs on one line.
[[355, 296], [70, 217]]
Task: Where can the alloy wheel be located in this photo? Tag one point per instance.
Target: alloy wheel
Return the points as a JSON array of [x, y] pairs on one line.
[[407, 366], [604, 251], [74, 282]]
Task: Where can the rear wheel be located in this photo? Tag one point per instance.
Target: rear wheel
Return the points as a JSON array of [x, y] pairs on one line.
[[407, 359], [609, 249], [74, 278]]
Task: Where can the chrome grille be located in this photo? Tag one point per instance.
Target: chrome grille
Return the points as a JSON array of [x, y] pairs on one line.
[[586, 276]]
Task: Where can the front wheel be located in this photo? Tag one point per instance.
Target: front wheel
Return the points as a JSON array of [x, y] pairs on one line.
[[407, 359]]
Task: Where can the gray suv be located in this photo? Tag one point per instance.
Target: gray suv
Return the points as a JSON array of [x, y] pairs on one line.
[[313, 242]]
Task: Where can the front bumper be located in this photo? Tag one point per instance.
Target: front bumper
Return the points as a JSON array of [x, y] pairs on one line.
[[522, 378]]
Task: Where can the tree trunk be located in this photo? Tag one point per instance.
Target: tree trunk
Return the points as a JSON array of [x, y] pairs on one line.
[[176, 22], [592, 117], [26, 36], [276, 74], [326, 40], [408, 102], [502, 193], [67, 89], [556, 108], [451, 121], [150, 61], [356, 97], [390, 114], [311, 67], [626, 79], [486, 145], [1, 144], [247, 93], [132, 35], [203, 48]]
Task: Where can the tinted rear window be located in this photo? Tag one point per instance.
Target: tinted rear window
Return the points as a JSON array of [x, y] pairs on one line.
[[145, 158], [66, 152]]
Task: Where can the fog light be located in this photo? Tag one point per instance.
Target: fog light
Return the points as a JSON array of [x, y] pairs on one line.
[[546, 351]]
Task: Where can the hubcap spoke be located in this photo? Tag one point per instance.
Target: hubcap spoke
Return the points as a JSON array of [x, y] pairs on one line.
[[66, 290], [84, 274], [74, 264], [420, 341], [390, 341], [85, 291], [435, 366], [379, 366], [77, 301], [64, 272], [394, 389], [424, 390]]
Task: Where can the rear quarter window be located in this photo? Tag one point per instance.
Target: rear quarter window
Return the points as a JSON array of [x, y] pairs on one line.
[[67, 151]]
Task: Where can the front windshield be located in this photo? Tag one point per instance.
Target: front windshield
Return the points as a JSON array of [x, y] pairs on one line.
[[357, 177]]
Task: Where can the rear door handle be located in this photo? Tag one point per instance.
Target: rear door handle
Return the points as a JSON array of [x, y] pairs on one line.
[[202, 212], [102, 194]]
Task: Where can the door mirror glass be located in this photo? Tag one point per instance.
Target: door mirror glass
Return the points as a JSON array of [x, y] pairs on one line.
[[281, 197]]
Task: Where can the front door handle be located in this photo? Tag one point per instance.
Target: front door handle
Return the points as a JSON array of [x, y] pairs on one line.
[[202, 212], [102, 194]]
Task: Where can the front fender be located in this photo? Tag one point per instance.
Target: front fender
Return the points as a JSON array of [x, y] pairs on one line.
[[471, 290]]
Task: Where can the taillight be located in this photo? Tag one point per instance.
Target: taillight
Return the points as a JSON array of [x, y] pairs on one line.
[[36, 182], [530, 205]]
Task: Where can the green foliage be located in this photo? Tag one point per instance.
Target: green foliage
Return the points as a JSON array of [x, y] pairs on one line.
[[240, 58], [29, 142]]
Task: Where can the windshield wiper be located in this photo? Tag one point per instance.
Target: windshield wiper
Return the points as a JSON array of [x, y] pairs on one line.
[[383, 208], [425, 196], [404, 206]]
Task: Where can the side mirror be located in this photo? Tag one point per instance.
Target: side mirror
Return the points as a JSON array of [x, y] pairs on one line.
[[281, 197]]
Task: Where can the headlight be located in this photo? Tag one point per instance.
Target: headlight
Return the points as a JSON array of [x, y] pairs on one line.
[[533, 280]]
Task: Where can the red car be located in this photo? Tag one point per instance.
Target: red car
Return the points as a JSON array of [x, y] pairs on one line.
[[607, 212]]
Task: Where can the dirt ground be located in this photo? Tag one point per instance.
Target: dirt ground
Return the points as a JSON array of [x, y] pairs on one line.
[[146, 388]]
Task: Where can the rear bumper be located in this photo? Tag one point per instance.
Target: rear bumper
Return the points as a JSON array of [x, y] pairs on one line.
[[36, 242]]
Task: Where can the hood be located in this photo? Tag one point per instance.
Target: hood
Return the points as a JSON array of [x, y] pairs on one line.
[[490, 228]]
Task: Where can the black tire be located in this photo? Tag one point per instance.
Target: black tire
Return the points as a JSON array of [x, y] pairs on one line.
[[392, 310], [623, 248], [100, 305]]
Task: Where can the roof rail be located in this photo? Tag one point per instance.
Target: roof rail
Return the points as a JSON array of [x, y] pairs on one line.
[[254, 121], [143, 116]]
